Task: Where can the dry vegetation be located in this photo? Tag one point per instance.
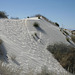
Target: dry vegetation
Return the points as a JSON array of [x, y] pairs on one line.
[[36, 24], [3, 14], [73, 38], [65, 55]]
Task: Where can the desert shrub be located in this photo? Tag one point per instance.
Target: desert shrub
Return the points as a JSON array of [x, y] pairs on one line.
[[73, 38], [65, 55], [73, 32], [56, 24], [36, 24], [38, 17], [3, 14], [27, 16]]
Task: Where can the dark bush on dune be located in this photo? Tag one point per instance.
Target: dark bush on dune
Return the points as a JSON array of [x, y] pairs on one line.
[[36, 24], [3, 14], [56, 24], [65, 55]]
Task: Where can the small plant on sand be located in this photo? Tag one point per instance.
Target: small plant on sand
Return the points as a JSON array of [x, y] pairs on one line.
[[36, 24], [56, 24], [3, 14], [27, 16], [38, 17]]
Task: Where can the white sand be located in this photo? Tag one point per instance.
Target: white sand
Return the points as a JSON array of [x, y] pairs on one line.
[[25, 50]]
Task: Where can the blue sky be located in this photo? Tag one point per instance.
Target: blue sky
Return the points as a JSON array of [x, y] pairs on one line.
[[60, 11]]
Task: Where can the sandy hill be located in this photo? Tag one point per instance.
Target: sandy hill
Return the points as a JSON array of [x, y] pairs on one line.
[[24, 46]]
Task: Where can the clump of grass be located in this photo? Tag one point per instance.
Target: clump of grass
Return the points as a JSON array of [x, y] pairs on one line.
[[38, 17], [27, 16], [3, 14], [73, 38], [36, 24], [65, 55], [56, 24]]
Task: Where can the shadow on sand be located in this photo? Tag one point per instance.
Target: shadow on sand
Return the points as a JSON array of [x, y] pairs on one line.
[[3, 53], [41, 30]]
